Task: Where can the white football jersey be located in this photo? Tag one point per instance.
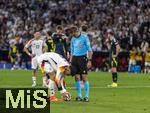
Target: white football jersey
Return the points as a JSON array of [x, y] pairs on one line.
[[36, 46], [54, 59]]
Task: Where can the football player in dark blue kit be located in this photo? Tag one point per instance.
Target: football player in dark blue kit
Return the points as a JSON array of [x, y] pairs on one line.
[[59, 40]]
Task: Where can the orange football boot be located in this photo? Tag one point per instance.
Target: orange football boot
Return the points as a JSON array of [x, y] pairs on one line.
[[54, 99]]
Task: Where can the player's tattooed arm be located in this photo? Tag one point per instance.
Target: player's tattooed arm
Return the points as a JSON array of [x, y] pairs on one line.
[[28, 44]]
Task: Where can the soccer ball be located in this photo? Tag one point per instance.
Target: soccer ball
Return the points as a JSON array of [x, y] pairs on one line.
[[66, 96]]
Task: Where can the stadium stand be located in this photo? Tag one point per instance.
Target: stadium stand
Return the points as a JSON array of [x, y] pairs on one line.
[[129, 19]]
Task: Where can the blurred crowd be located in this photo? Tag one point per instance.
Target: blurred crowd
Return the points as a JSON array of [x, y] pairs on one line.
[[129, 19]]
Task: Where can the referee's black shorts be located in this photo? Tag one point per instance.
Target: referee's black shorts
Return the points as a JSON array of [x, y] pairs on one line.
[[80, 63]]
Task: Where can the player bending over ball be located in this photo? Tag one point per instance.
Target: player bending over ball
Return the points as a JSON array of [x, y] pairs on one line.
[[56, 67]]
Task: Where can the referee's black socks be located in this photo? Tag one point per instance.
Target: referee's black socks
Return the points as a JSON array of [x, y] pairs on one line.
[[115, 77]]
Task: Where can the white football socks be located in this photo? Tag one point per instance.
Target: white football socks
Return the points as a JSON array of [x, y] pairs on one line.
[[34, 80], [51, 86]]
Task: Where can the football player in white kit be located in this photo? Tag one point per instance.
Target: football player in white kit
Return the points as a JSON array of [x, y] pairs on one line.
[[37, 48], [56, 67]]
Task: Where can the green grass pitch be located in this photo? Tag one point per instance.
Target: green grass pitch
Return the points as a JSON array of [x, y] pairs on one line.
[[132, 95]]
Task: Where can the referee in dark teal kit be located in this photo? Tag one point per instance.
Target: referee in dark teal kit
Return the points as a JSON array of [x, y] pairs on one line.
[[81, 56]]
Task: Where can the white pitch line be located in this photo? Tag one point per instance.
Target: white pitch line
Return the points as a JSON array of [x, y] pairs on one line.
[[94, 87], [120, 87]]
